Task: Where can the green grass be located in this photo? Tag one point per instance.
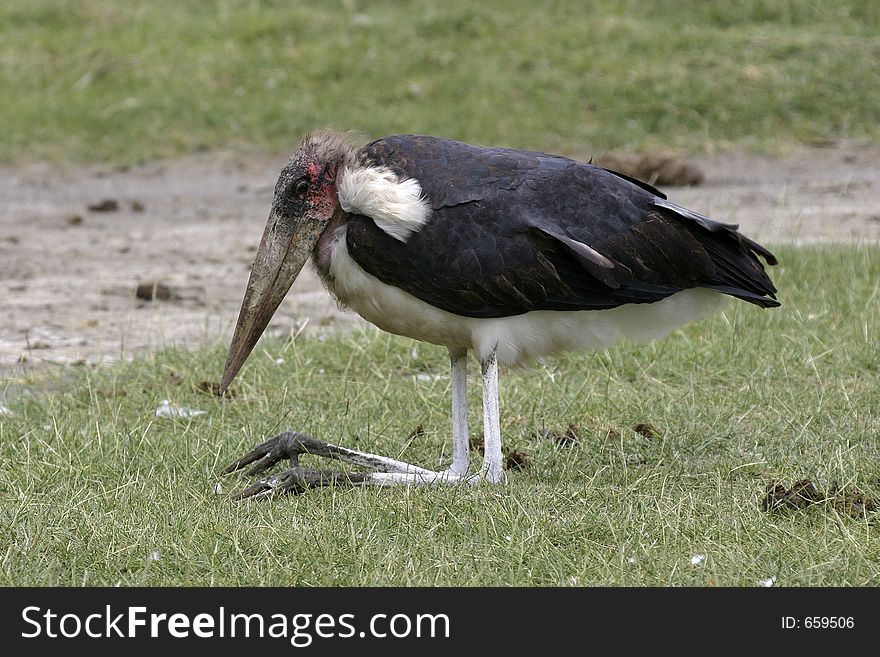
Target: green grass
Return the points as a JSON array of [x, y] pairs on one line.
[[86, 80], [94, 489]]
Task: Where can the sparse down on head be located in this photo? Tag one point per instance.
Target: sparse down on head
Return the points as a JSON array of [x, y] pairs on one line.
[[325, 178]]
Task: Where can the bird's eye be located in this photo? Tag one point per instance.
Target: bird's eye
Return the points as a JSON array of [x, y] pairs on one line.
[[301, 186]]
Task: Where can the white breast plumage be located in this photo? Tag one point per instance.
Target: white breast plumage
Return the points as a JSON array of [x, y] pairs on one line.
[[525, 337]]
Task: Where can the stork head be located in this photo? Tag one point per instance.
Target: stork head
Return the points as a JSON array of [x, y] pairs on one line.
[[304, 203]]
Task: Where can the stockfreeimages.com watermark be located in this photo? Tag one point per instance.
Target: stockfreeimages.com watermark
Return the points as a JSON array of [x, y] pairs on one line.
[[300, 629]]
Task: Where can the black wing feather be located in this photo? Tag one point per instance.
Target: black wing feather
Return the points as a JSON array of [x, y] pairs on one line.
[[515, 231]]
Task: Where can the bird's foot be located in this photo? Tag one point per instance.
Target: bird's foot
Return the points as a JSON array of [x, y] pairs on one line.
[[298, 480], [290, 445], [493, 473]]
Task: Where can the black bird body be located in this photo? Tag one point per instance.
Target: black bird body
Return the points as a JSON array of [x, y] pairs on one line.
[[512, 255], [526, 253]]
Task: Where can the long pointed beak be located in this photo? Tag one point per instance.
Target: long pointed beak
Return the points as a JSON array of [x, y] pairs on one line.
[[284, 249]]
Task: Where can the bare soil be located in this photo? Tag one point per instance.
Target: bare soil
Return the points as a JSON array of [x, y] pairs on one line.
[[97, 264]]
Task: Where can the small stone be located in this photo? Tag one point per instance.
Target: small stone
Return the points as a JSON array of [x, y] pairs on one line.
[[106, 205], [150, 290]]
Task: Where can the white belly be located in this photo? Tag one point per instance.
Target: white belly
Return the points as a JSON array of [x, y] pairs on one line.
[[520, 338]]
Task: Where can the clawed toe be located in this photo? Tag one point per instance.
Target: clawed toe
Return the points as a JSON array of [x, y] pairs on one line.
[[287, 445]]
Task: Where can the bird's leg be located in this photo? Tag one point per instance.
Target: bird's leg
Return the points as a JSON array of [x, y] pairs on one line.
[[290, 445], [493, 461], [460, 455]]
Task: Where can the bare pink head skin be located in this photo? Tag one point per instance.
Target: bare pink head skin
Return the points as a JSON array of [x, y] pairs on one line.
[[304, 204]]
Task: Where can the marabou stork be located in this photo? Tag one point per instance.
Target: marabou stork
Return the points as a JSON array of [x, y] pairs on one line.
[[511, 254]]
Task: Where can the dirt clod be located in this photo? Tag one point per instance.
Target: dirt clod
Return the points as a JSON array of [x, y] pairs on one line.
[[137, 206], [107, 205], [74, 220], [647, 430], [655, 169], [150, 290], [517, 460], [804, 494], [801, 495]]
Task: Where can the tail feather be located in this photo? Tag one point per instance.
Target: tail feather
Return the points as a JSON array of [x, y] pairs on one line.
[[738, 269], [739, 293]]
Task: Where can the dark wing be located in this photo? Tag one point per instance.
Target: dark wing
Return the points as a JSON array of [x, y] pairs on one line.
[[514, 231]]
